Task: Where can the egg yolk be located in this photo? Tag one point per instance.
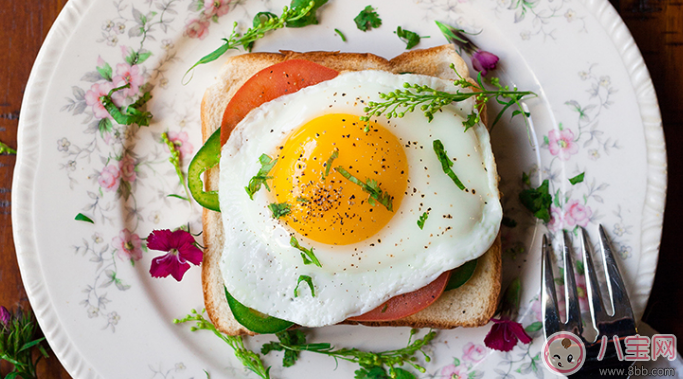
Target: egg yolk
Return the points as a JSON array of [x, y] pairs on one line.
[[328, 171]]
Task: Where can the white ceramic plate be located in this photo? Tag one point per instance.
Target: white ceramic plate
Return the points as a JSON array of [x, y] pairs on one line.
[[596, 113]]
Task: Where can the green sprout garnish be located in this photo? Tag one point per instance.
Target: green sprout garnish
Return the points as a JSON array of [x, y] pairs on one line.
[[279, 209], [421, 221], [307, 279], [175, 161], [370, 186], [446, 163], [261, 177], [341, 35], [306, 254], [249, 359], [247, 40], [430, 101]]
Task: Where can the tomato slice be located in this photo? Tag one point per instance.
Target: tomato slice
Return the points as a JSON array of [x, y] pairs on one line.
[[407, 304], [270, 83]]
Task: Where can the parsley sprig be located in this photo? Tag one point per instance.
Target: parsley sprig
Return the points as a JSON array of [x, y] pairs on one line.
[[249, 359], [247, 40], [127, 115], [367, 19], [370, 186], [267, 164], [430, 101], [373, 365]]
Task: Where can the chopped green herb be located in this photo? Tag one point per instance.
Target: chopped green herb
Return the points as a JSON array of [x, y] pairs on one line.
[[307, 279], [249, 359], [538, 200], [4, 149], [421, 221], [370, 187], [341, 35], [267, 164], [510, 223], [384, 308], [131, 114], [82, 217], [287, 337], [446, 163], [577, 179], [367, 19], [247, 40], [410, 38], [310, 18], [306, 254], [279, 209], [328, 164], [302, 200]]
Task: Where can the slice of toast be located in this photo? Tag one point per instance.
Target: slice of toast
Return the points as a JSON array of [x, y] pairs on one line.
[[471, 305]]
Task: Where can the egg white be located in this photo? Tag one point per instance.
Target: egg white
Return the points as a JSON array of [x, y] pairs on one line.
[[261, 269]]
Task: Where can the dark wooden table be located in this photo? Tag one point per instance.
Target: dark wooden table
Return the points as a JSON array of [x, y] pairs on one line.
[[656, 25]]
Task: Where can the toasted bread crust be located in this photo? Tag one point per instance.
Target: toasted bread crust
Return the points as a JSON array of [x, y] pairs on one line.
[[471, 305]]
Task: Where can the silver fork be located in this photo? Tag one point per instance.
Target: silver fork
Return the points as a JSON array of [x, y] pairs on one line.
[[620, 323]]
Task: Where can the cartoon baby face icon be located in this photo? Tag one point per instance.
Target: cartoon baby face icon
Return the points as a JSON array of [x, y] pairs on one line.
[[564, 353]]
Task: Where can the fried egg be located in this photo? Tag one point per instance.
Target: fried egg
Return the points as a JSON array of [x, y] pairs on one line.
[[369, 251]]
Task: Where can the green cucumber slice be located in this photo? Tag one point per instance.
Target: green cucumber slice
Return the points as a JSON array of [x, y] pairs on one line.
[[461, 275], [207, 157], [255, 321]]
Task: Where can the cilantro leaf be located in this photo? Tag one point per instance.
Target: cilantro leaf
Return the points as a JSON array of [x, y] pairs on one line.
[[254, 185], [307, 279], [287, 337], [371, 187], [577, 179], [367, 19], [279, 209], [446, 163], [310, 18], [421, 221], [410, 38], [307, 254], [538, 201]]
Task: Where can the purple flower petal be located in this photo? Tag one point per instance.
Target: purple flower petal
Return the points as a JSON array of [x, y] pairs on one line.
[[160, 240], [519, 332], [504, 334], [181, 249], [168, 265], [484, 61], [5, 316]]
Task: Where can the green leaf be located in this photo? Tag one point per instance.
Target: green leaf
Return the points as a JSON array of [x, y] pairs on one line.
[[310, 18], [538, 201], [130, 114], [4, 149], [374, 372], [367, 19], [400, 373], [307, 279], [306, 254], [29, 345], [267, 164], [279, 209], [82, 217], [446, 163], [287, 337], [262, 18], [421, 221], [534, 327], [460, 275], [410, 38], [577, 179], [370, 186], [341, 35]]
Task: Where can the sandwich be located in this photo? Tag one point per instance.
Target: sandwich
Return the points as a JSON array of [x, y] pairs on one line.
[[327, 216]]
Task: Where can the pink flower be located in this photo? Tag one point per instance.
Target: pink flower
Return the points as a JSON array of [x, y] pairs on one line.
[[561, 143], [127, 74], [92, 98], [577, 214], [109, 178], [181, 248], [216, 7], [454, 372], [127, 166], [484, 61], [180, 140], [473, 353], [128, 245], [556, 219], [197, 28], [5, 317], [504, 334]]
